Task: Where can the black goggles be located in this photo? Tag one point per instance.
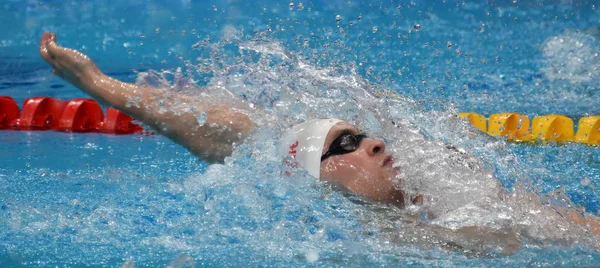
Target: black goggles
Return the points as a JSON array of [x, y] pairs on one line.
[[346, 143]]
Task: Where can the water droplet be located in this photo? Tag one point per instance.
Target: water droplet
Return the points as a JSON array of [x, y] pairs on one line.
[[291, 5], [239, 135], [338, 18], [449, 44], [300, 6], [359, 17], [312, 255], [482, 28], [161, 109], [201, 119], [374, 29], [214, 8], [157, 30], [417, 27]]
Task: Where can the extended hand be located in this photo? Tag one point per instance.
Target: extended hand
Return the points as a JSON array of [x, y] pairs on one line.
[[69, 64]]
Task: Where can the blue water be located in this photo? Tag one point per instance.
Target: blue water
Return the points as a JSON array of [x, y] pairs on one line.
[[89, 199]]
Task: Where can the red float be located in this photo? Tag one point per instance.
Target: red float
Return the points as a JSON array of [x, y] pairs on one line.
[[117, 122], [78, 115], [81, 115], [39, 113], [9, 111]]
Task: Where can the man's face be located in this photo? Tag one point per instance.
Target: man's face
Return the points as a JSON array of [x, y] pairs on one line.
[[367, 171]]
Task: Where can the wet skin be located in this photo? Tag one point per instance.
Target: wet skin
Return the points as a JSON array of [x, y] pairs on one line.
[[367, 171]]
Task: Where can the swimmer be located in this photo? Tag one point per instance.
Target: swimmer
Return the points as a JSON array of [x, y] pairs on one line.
[[335, 153], [330, 150]]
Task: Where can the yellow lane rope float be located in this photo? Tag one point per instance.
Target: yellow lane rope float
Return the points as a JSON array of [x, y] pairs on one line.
[[546, 128]]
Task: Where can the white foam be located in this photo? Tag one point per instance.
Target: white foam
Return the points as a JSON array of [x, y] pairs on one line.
[[572, 56]]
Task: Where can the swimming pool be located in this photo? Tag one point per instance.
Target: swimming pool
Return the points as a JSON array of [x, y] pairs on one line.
[[76, 199]]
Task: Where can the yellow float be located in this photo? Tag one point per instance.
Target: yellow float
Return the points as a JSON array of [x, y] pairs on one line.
[[545, 128]]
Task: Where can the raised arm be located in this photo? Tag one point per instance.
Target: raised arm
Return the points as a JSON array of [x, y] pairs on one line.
[[210, 137]]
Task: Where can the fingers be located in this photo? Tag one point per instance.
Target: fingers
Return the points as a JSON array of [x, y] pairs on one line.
[[47, 39], [50, 44], [54, 51], [53, 48], [49, 51], [65, 62], [43, 46]]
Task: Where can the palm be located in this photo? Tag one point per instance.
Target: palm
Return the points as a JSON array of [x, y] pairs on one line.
[[69, 64]]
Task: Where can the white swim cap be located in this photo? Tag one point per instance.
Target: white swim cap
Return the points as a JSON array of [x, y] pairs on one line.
[[305, 141]]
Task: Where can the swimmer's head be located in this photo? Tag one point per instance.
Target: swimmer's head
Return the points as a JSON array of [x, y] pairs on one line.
[[304, 142], [335, 151]]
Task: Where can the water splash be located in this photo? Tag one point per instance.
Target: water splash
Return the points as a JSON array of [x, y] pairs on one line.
[[573, 56], [458, 176], [245, 213]]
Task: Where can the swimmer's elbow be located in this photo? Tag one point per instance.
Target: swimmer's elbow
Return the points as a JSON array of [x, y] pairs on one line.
[[212, 137], [215, 140]]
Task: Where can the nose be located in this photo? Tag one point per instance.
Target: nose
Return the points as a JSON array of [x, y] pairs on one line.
[[373, 147]]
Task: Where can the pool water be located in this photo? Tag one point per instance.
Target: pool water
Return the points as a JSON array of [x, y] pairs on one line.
[[89, 199]]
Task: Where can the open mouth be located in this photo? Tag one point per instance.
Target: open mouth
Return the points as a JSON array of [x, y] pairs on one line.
[[388, 161]]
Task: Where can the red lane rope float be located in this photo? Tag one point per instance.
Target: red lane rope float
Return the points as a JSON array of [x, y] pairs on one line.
[[81, 115], [9, 111], [39, 113], [117, 122], [78, 115]]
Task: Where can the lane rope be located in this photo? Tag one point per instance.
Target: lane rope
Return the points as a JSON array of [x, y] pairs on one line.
[[85, 115], [546, 128], [77, 115]]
